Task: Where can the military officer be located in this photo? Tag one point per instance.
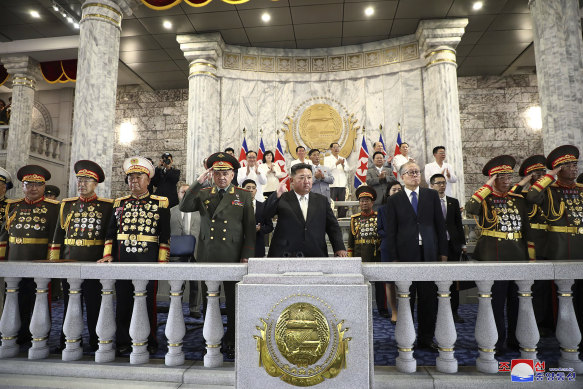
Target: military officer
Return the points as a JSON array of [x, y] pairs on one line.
[[227, 227], [502, 217], [5, 184], [80, 235], [29, 225], [139, 231], [52, 192]]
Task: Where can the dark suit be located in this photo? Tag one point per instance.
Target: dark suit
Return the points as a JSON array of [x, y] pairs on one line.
[[295, 236], [266, 228], [403, 228], [457, 239]]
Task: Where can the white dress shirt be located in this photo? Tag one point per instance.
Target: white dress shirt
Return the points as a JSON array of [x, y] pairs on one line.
[[398, 161], [272, 177], [408, 193], [338, 171], [307, 198], [296, 161], [433, 168], [259, 179]]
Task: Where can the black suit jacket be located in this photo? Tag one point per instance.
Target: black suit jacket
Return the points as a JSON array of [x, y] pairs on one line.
[[455, 228], [293, 235], [266, 228], [403, 227]]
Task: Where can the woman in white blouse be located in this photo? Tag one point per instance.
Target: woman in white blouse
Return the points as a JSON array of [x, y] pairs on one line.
[[272, 171]]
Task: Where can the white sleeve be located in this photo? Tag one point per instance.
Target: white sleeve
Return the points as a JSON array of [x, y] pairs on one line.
[[453, 177]]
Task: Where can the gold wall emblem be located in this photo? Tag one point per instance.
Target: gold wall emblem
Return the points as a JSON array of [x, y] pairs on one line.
[[303, 346], [320, 125]]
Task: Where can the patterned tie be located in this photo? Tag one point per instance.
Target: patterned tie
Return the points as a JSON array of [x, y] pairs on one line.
[[414, 201], [304, 206], [444, 210]]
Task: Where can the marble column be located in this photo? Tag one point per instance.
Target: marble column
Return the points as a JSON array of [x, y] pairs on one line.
[[558, 49], [437, 42], [95, 91], [204, 87], [24, 72]]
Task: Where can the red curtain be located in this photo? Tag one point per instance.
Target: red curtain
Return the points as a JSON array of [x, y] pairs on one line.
[[165, 4], [59, 71]]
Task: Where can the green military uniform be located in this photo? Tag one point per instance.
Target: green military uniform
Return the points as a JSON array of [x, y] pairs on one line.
[[6, 178], [364, 240]]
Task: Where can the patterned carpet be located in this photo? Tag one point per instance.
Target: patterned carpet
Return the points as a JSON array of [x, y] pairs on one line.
[[385, 346]]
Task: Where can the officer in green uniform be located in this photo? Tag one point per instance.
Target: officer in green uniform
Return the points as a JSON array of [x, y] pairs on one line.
[[80, 236], [502, 217], [5, 184], [52, 192], [561, 198], [227, 227], [139, 231], [29, 225], [364, 240]]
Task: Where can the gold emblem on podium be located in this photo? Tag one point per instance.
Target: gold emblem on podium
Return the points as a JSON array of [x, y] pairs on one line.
[[303, 346]]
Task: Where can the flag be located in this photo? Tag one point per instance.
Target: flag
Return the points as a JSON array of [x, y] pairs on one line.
[[362, 166], [397, 149], [261, 151], [384, 150], [243, 153], [280, 160]]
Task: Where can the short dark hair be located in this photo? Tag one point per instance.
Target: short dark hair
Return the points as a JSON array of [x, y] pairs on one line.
[[404, 143], [299, 166], [232, 150], [436, 176], [388, 190], [248, 181], [437, 148], [251, 151], [374, 144], [312, 152], [300, 147], [272, 156], [334, 143], [377, 152]]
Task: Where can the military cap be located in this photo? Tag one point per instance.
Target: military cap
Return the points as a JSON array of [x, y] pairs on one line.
[[6, 178], [532, 163], [138, 164], [86, 168], [52, 190], [499, 165], [366, 191], [33, 173], [580, 179], [222, 161], [562, 155]]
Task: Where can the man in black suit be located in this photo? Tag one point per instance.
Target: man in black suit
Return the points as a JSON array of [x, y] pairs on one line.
[[416, 233], [304, 219], [262, 225], [456, 239]]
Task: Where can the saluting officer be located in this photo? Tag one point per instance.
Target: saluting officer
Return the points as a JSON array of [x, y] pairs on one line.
[[80, 235], [502, 217], [227, 227], [29, 225], [139, 231], [5, 184]]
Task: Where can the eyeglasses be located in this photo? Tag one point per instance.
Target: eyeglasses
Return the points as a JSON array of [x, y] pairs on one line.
[[33, 184], [439, 183], [84, 181], [412, 172]]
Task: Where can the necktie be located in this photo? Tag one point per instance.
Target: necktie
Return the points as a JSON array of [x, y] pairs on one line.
[[444, 210], [414, 201], [304, 206], [221, 194]]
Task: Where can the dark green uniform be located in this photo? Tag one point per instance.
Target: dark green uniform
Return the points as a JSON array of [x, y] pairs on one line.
[[364, 240], [537, 222]]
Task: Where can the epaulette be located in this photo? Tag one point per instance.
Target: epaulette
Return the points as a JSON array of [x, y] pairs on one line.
[[105, 200], [163, 200], [243, 189], [207, 188], [70, 199], [52, 201], [579, 185], [555, 185], [14, 201], [356, 215], [119, 199], [515, 195]]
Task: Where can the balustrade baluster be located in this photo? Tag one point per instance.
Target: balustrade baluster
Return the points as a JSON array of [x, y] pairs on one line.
[[140, 324], [445, 332], [405, 330], [212, 330], [73, 324], [568, 333], [486, 333], [175, 327], [526, 328], [106, 324], [10, 321], [40, 322]]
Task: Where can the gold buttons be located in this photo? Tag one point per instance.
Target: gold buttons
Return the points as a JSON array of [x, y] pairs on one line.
[[224, 238], [224, 230], [213, 220], [225, 222], [212, 229], [212, 237]]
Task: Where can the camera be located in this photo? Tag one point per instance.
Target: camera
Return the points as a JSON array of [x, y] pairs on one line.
[[167, 158]]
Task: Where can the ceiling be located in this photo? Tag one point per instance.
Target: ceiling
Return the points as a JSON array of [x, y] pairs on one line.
[[498, 38]]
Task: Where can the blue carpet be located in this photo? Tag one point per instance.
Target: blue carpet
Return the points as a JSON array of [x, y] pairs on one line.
[[385, 346]]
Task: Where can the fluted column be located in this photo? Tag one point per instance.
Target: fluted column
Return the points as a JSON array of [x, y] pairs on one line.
[[175, 328], [445, 332], [40, 322], [140, 324], [213, 331], [558, 52], [526, 328], [405, 330], [96, 86], [106, 324], [73, 325], [202, 52], [485, 332], [10, 321], [567, 332], [437, 41], [24, 72]]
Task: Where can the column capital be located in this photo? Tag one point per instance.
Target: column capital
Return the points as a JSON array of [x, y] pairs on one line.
[[201, 47], [125, 6], [23, 69], [445, 33]]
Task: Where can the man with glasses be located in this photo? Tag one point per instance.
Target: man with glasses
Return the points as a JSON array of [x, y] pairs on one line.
[[416, 232], [29, 225], [439, 166], [80, 236]]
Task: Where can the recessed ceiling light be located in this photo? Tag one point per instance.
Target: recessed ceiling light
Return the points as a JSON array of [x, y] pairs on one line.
[[477, 5], [76, 25], [167, 25], [369, 11], [35, 14], [70, 20], [266, 17], [55, 7]]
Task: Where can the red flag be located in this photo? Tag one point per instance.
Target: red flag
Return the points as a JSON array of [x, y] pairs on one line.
[[362, 166], [243, 153], [280, 160]]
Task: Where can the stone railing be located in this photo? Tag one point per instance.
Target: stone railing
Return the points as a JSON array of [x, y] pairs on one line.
[[42, 145]]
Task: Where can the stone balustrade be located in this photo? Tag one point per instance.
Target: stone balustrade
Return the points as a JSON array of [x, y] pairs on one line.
[[42, 145]]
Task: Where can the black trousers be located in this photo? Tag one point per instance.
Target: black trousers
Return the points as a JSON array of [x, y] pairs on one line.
[[380, 296], [505, 295], [426, 294], [124, 294], [542, 303], [339, 194], [578, 303], [26, 299], [91, 294], [229, 338], [453, 255]]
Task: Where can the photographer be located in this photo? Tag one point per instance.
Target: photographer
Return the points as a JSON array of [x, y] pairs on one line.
[[165, 179]]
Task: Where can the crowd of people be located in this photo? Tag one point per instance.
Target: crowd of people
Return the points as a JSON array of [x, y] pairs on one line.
[[220, 218]]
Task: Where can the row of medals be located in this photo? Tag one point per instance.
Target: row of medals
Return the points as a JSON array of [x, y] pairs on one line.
[[368, 228], [508, 217], [90, 219], [138, 215], [574, 205], [27, 219]]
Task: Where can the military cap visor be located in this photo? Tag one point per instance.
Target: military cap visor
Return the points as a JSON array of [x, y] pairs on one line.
[[6, 178], [33, 173], [502, 164], [562, 155], [89, 169], [365, 191], [222, 161], [529, 165], [52, 190]]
